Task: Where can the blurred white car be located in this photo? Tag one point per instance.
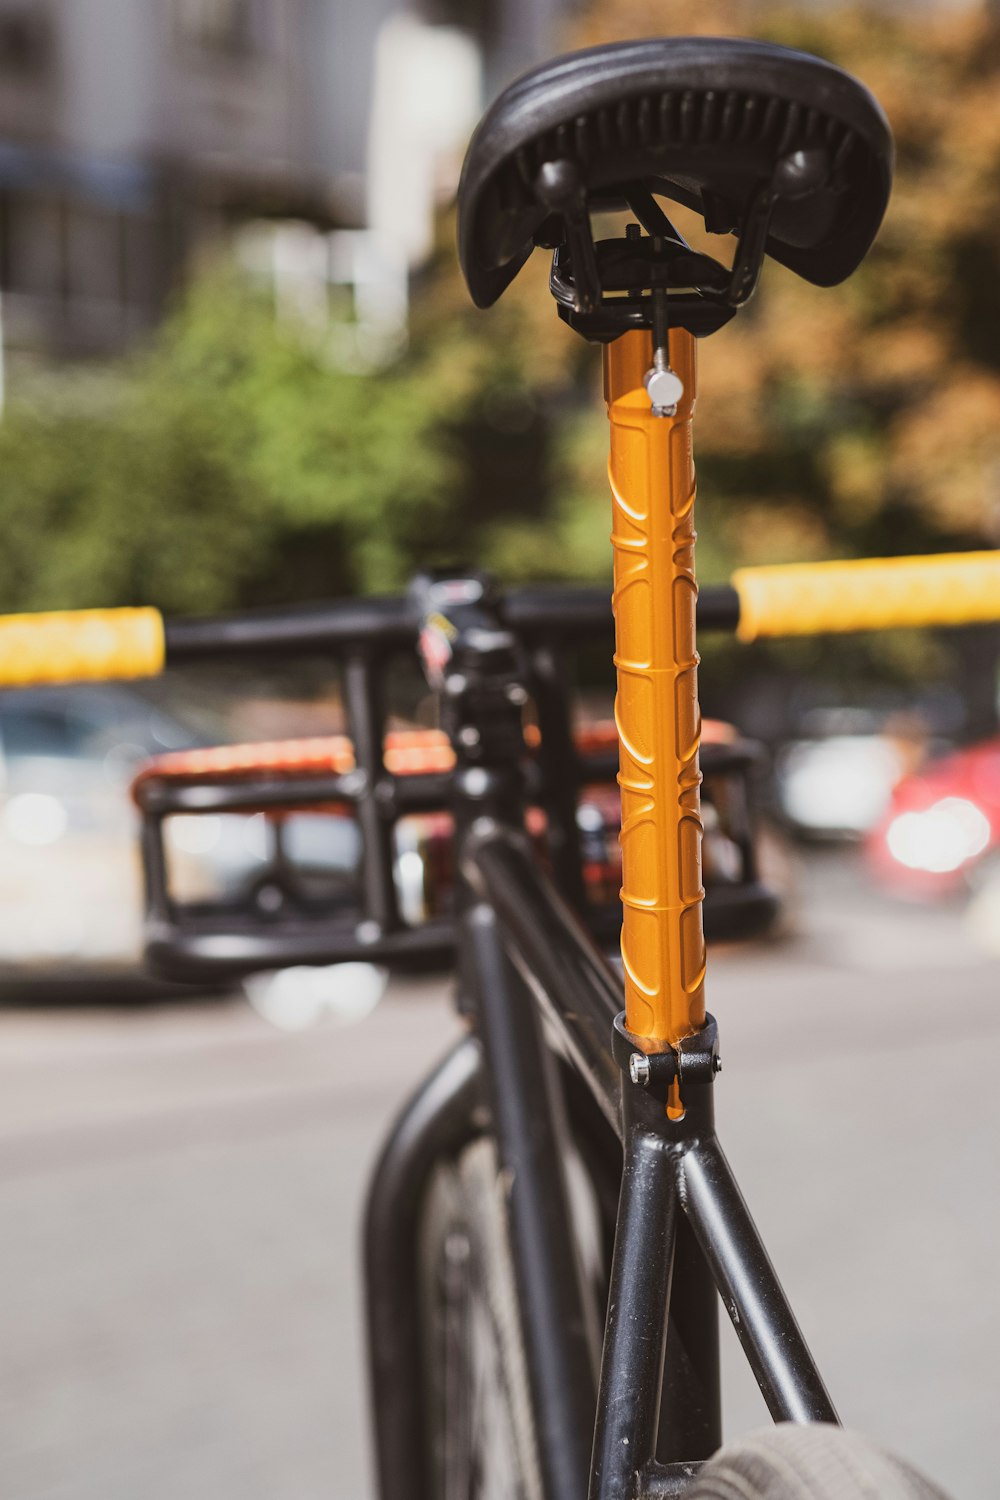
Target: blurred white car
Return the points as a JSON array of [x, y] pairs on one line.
[[70, 877], [71, 886], [837, 779]]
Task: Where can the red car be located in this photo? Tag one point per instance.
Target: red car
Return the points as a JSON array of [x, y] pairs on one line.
[[942, 824]]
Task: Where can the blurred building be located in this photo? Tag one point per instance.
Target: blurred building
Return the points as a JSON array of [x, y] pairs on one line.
[[134, 132]]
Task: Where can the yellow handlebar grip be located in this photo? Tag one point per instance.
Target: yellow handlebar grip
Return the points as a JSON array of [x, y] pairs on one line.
[[961, 588], [80, 646]]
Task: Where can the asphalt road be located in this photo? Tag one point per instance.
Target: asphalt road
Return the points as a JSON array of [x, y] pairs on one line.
[[180, 1190]]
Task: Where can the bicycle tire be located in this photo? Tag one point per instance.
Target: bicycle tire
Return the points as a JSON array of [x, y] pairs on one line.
[[481, 1437], [813, 1461]]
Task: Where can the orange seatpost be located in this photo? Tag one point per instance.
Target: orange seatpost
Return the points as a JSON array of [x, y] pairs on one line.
[[652, 483]]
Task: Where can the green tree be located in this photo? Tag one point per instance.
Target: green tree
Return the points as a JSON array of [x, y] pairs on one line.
[[231, 463]]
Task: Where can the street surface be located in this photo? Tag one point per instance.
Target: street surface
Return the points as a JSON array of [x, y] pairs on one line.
[[180, 1191]]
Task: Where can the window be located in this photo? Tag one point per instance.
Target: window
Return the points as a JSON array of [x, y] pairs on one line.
[[25, 41], [45, 732], [231, 28]]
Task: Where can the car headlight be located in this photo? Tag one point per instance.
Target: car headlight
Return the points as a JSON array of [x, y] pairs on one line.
[[941, 838]]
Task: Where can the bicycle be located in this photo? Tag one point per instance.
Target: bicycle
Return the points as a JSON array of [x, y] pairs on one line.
[[490, 1268]]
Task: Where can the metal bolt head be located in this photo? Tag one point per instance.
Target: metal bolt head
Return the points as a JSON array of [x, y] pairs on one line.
[[638, 1069], [716, 1064], [468, 736], [516, 695], [665, 389]]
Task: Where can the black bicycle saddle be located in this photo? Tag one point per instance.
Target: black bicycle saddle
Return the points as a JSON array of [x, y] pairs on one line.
[[786, 151]]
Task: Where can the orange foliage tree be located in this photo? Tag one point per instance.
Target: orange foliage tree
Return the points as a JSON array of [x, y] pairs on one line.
[[865, 418]]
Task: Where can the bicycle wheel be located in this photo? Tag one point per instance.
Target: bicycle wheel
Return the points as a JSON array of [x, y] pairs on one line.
[[478, 1406], [811, 1462]]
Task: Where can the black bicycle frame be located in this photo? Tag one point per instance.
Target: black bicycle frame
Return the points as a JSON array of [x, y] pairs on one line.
[[537, 989], [547, 1066]]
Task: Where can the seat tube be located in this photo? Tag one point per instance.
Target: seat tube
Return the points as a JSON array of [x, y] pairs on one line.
[[651, 469]]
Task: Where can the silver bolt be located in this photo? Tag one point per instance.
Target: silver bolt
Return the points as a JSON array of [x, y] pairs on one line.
[[454, 684], [664, 386], [516, 694], [468, 736], [368, 932], [638, 1069], [716, 1064]]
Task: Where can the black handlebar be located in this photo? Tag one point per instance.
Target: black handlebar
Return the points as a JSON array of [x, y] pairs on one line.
[[383, 623]]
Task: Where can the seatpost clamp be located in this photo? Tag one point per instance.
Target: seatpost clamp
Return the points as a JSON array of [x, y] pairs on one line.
[[693, 1063]]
